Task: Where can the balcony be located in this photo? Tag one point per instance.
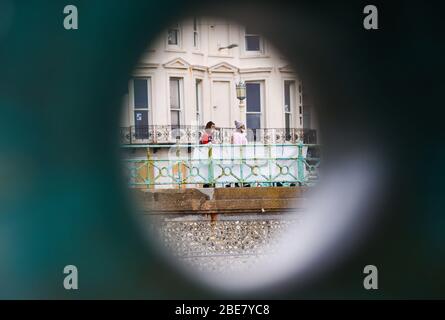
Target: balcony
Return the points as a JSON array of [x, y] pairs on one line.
[[167, 134]]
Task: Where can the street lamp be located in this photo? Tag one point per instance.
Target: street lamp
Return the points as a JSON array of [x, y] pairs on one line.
[[230, 46], [241, 95]]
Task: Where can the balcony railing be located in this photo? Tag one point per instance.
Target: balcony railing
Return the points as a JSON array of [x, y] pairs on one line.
[[166, 134], [224, 165]]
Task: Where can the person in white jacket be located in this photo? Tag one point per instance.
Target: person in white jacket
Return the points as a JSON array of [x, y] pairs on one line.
[[239, 135], [239, 138]]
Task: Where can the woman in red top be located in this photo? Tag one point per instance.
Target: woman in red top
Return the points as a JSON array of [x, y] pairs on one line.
[[207, 136]]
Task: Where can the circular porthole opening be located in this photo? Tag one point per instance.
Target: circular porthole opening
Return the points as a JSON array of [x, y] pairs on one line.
[[222, 150]]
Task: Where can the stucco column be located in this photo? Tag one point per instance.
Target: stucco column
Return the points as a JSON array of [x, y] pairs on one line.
[[242, 110]]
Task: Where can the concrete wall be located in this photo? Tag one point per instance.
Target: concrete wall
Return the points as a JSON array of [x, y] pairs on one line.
[[221, 200]]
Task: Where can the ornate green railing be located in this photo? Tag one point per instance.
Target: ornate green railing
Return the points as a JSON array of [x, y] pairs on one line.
[[223, 165]]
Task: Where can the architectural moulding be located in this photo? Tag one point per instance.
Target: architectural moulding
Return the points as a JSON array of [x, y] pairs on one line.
[[256, 70], [177, 63], [287, 69], [223, 67]]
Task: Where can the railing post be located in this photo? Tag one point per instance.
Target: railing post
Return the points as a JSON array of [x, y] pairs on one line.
[[210, 168], [300, 163], [269, 163], [242, 157], [155, 134], [131, 135], [149, 169], [178, 163]]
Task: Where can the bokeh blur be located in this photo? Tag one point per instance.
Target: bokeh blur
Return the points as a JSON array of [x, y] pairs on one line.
[[63, 198]]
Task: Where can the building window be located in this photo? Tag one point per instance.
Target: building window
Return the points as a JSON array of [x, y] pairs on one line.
[[253, 40], [288, 107], [198, 92], [175, 102], [140, 91], [195, 33], [253, 110], [173, 35], [300, 107]]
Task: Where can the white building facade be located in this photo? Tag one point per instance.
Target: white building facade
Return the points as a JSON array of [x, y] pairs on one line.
[[189, 75]]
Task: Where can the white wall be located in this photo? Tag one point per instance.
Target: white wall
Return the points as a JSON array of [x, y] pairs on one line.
[[161, 61]]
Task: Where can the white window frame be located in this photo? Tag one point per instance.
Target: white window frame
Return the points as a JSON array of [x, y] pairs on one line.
[[199, 99], [262, 84], [300, 102], [292, 99], [149, 99], [196, 27], [250, 53], [179, 30], [181, 100]]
